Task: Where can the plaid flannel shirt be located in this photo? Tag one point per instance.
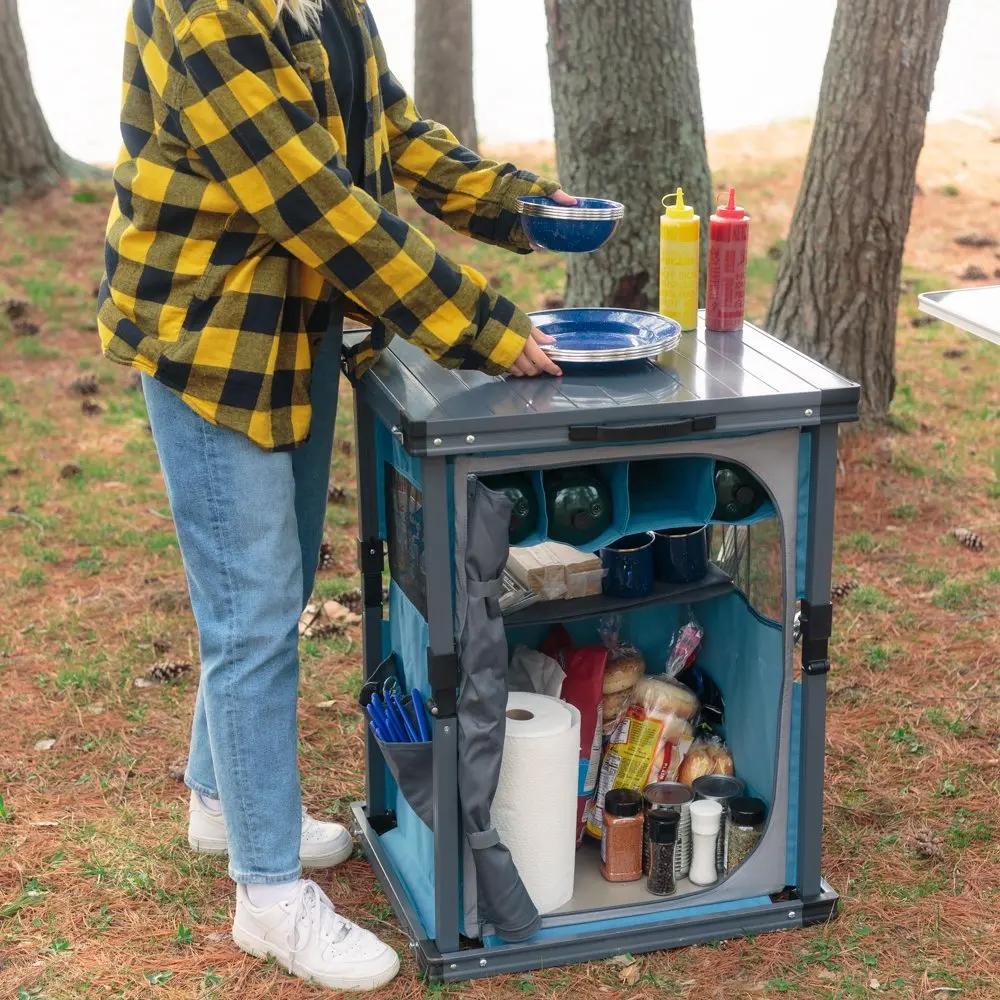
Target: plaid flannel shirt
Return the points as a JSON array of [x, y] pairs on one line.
[[237, 228]]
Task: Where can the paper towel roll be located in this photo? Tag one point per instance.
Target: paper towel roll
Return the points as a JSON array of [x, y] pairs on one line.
[[534, 810]]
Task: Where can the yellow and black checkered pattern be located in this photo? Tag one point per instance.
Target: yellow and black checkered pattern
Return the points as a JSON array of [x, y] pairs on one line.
[[237, 226]]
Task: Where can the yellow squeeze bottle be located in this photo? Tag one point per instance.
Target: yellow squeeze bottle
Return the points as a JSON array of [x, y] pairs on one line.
[[680, 242]]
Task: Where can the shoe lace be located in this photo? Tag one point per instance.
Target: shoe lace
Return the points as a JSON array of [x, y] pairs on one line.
[[314, 910]]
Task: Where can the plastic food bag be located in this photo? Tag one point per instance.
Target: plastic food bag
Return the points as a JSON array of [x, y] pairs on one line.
[[625, 665], [649, 743], [713, 704], [706, 756], [683, 646], [583, 689]]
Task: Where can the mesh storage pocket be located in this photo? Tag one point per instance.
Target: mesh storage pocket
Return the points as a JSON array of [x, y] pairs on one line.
[[411, 765]]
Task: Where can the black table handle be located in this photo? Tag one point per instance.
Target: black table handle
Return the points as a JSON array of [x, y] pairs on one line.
[[610, 434]]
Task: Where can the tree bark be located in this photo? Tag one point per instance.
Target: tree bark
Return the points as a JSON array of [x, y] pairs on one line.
[[838, 283], [30, 159], [629, 127], [443, 88]]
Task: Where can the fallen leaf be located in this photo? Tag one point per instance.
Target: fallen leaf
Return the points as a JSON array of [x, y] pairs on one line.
[[47, 744], [629, 976], [873, 984], [326, 704], [96, 708], [828, 975], [217, 936], [44, 822], [144, 682]]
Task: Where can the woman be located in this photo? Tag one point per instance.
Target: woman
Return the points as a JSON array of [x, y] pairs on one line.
[[254, 209]]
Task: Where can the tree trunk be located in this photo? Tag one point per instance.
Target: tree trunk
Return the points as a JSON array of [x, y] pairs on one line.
[[838, 284], [30, 160], [629, 127], [443, 88]]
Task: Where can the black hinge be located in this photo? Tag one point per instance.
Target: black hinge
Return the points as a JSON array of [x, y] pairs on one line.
[[371, 560], [442, 674], [817, 627]]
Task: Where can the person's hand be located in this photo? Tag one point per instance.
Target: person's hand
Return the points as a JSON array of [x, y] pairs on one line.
[[561, 198], [533, 360]]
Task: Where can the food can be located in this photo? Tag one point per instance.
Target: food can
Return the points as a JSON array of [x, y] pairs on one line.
[[719, 788], [677, 797]]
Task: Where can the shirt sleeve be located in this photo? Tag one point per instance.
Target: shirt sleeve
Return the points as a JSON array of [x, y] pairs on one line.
[[245, 116]]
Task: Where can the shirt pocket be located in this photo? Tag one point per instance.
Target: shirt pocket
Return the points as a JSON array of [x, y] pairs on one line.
[[311, 63]]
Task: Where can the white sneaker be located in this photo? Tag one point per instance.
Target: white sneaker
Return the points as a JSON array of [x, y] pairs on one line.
[[307, 936], [323, 845]]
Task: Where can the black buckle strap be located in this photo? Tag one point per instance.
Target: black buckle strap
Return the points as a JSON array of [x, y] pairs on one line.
[[442, 673], [817, 627], [371, 560]]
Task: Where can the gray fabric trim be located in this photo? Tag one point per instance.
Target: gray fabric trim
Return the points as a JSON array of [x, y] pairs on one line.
[[480, 841]]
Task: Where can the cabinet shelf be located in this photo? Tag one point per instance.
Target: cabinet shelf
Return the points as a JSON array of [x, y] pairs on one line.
[[715, 584]]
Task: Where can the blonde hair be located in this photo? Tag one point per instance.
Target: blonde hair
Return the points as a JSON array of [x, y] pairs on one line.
[[306, 12]]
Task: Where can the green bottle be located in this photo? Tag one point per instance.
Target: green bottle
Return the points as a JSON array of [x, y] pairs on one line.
[[737, 493], [578, 504], [520, 492]]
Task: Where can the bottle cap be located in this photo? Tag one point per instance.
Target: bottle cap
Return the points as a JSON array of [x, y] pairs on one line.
[[745, 811], [678, 210], [731, 210], [623, 802], [663, 825], [706, 816]]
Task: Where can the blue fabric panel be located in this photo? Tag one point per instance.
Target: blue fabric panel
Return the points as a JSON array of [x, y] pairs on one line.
[[742, 652], [624, 923], [791, 870], [388, 449], [763, 513], [805, 463], [410, 845], [671, 493]]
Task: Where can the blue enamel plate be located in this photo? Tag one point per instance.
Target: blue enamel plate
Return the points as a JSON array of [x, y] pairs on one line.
[[606, 336]]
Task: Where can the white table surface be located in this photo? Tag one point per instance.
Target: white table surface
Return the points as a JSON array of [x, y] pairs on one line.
[[975, 310]]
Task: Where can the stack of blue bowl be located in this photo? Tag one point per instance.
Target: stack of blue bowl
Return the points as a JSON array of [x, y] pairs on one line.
[[580, 228]]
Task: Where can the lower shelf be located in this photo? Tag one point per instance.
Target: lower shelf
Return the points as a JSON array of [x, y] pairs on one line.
[[592, 892]]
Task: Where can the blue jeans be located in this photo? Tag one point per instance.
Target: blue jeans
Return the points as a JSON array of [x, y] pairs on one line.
[[250, 524]]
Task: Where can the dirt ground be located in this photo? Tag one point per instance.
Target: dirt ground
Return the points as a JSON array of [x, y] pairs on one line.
[[99, 895]]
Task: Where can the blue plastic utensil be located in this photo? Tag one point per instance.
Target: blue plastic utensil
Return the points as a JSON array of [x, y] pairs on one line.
[[423, 722], [404, 717]]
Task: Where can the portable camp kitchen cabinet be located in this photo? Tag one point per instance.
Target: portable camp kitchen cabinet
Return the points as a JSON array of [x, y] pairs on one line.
[[424, 437]]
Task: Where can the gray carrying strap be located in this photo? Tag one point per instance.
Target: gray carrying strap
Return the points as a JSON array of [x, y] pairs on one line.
[[490, 591], [481, 841]]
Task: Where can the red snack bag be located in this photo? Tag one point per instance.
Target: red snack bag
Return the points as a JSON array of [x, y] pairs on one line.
[[583, 688]]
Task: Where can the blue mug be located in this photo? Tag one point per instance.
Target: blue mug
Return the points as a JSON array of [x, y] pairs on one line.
[[628, 566], [681, 554]]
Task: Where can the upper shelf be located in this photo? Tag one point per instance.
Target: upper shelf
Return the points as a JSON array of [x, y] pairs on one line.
[[715, 584]]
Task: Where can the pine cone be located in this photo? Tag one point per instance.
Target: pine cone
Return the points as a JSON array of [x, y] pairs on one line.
[[345, 447], [336, 494], [70, 471], [161, 646], [968, 538], [326, 630], [164, 672], [25, 328], [928, 844], [91, 409], [325, 556], [85, 385], [352, 600], [15, 308], [841, 590]]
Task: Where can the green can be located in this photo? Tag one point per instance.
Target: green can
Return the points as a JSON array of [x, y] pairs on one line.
[[521, 493], [578, 504]]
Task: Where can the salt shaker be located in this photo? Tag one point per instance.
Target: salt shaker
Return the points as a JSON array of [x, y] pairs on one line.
[[706, 818]]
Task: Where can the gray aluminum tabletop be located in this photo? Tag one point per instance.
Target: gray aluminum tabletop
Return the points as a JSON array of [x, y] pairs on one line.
[[975, 310], [710, 383]]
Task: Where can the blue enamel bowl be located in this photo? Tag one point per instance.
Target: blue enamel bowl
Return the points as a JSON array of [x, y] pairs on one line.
[[581, 228]]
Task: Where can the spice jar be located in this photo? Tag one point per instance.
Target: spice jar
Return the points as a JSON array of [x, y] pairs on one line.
[[721, 788], [678, 798], [744, 829], [662, 826], [621, 837], [705, 821]]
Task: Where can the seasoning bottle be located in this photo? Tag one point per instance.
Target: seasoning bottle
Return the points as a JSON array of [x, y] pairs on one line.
[[728, 247], [677, 797], [661, 828], [680, 242], [720, 788], [745, 827], [706, 816], [621, 836]]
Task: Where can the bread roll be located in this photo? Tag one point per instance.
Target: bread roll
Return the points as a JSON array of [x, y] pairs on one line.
[[665, 697], [622, 672], [612, 707]]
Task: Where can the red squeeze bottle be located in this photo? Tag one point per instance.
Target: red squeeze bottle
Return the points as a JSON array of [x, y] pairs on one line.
[[728, 244]]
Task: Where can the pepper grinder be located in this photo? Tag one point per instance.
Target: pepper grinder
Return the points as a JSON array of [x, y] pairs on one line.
[[706, 818]]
